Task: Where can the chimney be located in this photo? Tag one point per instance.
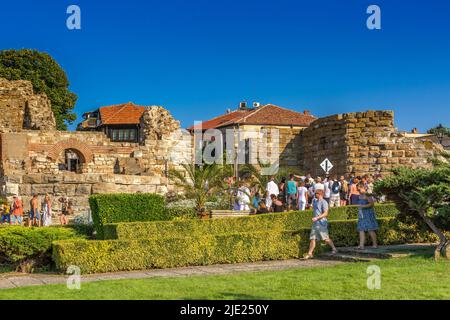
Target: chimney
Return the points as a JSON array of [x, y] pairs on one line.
[[228, 111], [306, 112], [243, 105], [414, 130]]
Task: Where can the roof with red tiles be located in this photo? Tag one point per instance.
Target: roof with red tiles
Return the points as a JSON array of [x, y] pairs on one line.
[[268, 114], [126, 113]]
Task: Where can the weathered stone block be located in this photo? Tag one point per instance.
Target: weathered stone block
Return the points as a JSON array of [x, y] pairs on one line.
[[83, 189], [42, 189]]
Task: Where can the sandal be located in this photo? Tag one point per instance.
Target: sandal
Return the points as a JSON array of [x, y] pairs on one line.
[[334, 251], [307, 257]]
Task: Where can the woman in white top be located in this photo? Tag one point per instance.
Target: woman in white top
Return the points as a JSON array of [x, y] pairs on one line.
[[302, 196], [47, 211]]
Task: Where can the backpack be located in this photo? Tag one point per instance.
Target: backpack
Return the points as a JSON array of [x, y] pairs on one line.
[[335, 187]]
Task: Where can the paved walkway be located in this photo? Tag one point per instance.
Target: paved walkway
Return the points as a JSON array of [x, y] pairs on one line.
[[16, 280]]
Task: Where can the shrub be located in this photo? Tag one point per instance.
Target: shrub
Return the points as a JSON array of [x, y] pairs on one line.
[[281, 221], [120, 255], [110, 208], [382, 210], [179, 247], [20, 245], [181, 213], [157, 229], [391, 231]]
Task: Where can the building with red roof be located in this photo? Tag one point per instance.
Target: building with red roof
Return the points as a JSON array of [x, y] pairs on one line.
[[120, 122], [267, 115]]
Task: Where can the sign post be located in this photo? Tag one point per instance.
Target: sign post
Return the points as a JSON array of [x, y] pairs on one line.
[[326, 166]]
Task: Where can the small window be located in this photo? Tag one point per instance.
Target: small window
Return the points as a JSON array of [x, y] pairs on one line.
[[132, 135], [126, 135]]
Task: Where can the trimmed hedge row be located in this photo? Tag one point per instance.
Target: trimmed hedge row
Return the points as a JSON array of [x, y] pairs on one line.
[[111, 208], [122, 255], [20, 244], [391, 231], [172, 250], [275, 221]]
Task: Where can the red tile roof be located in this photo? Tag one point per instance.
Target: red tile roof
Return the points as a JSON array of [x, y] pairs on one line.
[[126, 113], [265, 115]]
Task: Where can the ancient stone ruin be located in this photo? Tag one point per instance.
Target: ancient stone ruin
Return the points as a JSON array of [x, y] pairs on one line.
[[361, 143], [37, 159]]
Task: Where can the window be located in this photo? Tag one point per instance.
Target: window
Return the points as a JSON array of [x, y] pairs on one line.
[[129, 135], [247, 151]]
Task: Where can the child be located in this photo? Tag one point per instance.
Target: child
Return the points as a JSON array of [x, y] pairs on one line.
[[6, 213], [319, 229]]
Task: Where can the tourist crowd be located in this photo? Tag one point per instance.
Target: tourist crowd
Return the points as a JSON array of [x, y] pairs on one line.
[[40, 214], [304, 192], [298, 192]]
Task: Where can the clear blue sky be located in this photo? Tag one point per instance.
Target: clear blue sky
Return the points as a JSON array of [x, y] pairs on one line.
[[199, 57]]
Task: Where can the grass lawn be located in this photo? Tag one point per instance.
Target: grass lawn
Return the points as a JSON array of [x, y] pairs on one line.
[[417, 277]]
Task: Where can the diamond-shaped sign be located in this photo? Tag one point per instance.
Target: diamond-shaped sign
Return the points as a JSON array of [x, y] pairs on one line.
[[326, 165]]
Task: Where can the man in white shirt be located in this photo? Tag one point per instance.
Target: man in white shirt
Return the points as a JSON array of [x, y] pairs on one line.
[[272, 187], [244, 197]]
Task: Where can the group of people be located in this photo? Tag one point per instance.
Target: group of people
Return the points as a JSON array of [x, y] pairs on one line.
[[40, 213], [298, 192], [304, 192]]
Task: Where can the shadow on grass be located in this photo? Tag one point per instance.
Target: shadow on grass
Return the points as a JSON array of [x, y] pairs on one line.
[[233, 296]]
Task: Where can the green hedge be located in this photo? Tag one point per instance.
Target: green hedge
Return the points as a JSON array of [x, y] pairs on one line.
[[111, 208], [172, 250], [164, 229], [383, 210], [391, 231], [279, 221], [19, 244], [121, 255]]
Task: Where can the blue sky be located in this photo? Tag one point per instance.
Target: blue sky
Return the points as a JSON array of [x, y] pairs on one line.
[[199, 57]]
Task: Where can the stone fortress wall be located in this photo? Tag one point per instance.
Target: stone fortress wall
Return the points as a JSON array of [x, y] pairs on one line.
[[32, 152], [362, 143]]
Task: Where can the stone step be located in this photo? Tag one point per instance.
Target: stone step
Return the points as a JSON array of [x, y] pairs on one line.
[[343, 257], [366, 253], [353, 254]]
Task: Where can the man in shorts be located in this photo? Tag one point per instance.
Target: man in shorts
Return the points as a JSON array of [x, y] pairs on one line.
[[35, 217], [319, 229]]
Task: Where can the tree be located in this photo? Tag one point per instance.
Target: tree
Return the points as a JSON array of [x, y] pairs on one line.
[[440, 128], [198, 182], [47, 77], [422, 195]]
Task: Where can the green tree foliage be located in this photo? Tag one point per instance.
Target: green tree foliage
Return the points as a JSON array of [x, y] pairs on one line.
[[199, 182], [422, 195], [440, 128], [47, 77]]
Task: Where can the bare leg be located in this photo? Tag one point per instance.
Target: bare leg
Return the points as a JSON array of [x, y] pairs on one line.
[[362, 239], [373, 236], [312, 246], [331, 244]]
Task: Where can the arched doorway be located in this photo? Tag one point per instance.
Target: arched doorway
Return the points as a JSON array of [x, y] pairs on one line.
[[71, 160]]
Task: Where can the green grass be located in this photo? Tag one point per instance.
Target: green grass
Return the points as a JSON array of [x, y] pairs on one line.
[[417, 277]]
